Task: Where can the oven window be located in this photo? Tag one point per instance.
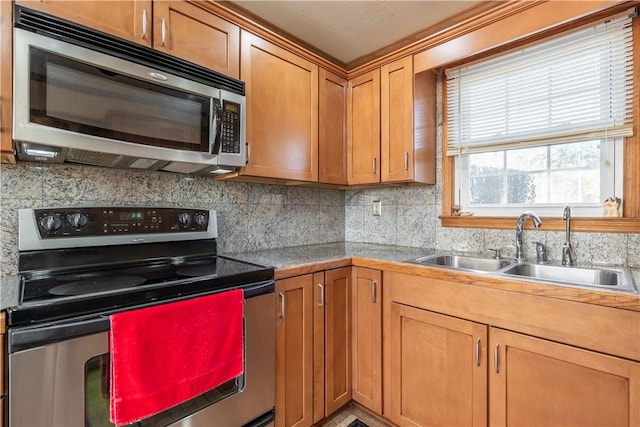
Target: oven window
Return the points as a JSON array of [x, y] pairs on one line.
[[96, 400], [82, 98]]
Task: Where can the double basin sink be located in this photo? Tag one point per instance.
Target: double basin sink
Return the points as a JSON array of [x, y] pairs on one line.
[[609, 278]]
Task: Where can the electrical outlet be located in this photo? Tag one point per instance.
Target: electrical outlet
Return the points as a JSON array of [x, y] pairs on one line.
[[377, 208]]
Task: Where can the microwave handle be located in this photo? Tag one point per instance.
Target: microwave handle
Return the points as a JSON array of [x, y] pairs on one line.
[[216, 125]]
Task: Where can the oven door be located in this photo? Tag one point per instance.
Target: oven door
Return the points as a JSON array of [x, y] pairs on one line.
[[49, 383]]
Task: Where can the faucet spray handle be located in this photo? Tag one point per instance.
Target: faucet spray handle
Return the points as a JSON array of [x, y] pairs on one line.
[[496, 253]]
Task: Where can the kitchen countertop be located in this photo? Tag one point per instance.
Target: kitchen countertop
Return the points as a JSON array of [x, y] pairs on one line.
[[292, 261]]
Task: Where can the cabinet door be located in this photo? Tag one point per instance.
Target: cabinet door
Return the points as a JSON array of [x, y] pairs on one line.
[[438, 369], [396, 100], [363, 125], [282, 111], [366, 328], [332, 144], [6, 82], [127, 19], [541, 383], [337, 369], [194, 34], [294, 352]]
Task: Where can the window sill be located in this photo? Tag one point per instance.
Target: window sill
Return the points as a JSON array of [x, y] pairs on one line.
[[587, 224]]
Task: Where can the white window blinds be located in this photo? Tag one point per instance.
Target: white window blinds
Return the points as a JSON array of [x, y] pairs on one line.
[[574, 87]]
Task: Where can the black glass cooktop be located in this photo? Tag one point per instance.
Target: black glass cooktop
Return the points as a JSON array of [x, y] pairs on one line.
[[64, 293]]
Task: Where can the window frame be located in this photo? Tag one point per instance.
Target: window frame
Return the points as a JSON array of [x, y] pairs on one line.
[[629, 222]]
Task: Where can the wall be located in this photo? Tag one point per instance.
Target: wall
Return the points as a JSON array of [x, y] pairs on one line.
[[250, 216], [410, 218]]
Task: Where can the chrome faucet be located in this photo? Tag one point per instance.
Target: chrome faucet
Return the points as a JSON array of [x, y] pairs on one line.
[[520, 227], [568, 254]]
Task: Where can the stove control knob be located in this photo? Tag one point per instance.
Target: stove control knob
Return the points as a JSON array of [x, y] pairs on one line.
[[184, 219], [77, 220], [201, 219], [50, 222]]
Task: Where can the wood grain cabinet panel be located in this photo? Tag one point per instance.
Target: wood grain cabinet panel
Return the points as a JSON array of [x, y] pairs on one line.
[[366, 329], [6, 82], [313, 351], [363, 121], [332, 143], [127, 19], [189, 32], [438, 369], [294, 351], [282, 111], [542, 383]]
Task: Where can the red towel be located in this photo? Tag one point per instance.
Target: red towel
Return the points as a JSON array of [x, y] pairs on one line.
[[167, 354]]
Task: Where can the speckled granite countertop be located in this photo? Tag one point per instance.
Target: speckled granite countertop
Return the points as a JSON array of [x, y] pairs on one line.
[[313, 254], [9, 291]]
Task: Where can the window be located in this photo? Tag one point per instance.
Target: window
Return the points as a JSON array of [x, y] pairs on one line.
[[544, 125]]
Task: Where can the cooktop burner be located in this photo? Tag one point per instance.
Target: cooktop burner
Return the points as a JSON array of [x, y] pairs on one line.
[[100, 284]]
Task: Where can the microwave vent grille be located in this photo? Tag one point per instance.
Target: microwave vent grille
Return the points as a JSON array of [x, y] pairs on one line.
[[95, 158]]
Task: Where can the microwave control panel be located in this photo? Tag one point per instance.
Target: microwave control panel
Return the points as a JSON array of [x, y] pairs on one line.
[[230, 138]]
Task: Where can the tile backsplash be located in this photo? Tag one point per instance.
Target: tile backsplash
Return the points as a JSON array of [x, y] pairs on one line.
[[258, 216], [250, 216]]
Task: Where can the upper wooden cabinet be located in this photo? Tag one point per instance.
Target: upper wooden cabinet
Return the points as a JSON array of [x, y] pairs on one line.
[[282, 111], [127, 19], [189, 32], [363, 121], [179, 28], [6, 82], [332, 145], [391, 119]]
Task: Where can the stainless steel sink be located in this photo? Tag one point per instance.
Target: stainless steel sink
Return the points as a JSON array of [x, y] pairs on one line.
[[614, 278], [463, 262]]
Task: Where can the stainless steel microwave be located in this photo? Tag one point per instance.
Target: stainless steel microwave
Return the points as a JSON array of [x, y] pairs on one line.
[[86, 97]]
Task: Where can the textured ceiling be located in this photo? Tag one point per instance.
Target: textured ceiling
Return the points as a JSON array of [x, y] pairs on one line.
[[349, 30]]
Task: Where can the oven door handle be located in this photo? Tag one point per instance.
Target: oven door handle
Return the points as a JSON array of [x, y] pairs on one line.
[[22, 338]]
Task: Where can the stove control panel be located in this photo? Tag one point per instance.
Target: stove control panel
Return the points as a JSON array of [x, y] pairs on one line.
[[71, 222]]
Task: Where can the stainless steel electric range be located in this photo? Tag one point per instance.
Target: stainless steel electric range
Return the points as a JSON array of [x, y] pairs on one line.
[[78, 266]]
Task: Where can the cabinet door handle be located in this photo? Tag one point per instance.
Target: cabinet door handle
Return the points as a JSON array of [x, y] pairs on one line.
[[281, 305], [164, 32], [144, 23], [496, 364], [478, 352], [374, 165], [406, 160], [248, 152], [374, 285], [321, 303]]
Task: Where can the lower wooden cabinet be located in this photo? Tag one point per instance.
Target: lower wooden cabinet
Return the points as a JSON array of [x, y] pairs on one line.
[[542, 383], [438, 369], [366, 327], [313, 353], [442, 369]]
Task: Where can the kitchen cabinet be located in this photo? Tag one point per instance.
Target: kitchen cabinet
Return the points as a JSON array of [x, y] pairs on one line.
[[438, 369], [127, 19], [366, 328], [363, 121], [179, 28], [187, 31], [332, 341], [6, 82], [312, 346], [543, 383], [460, 354], [332, 138], [282, 111], [391, 119]]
